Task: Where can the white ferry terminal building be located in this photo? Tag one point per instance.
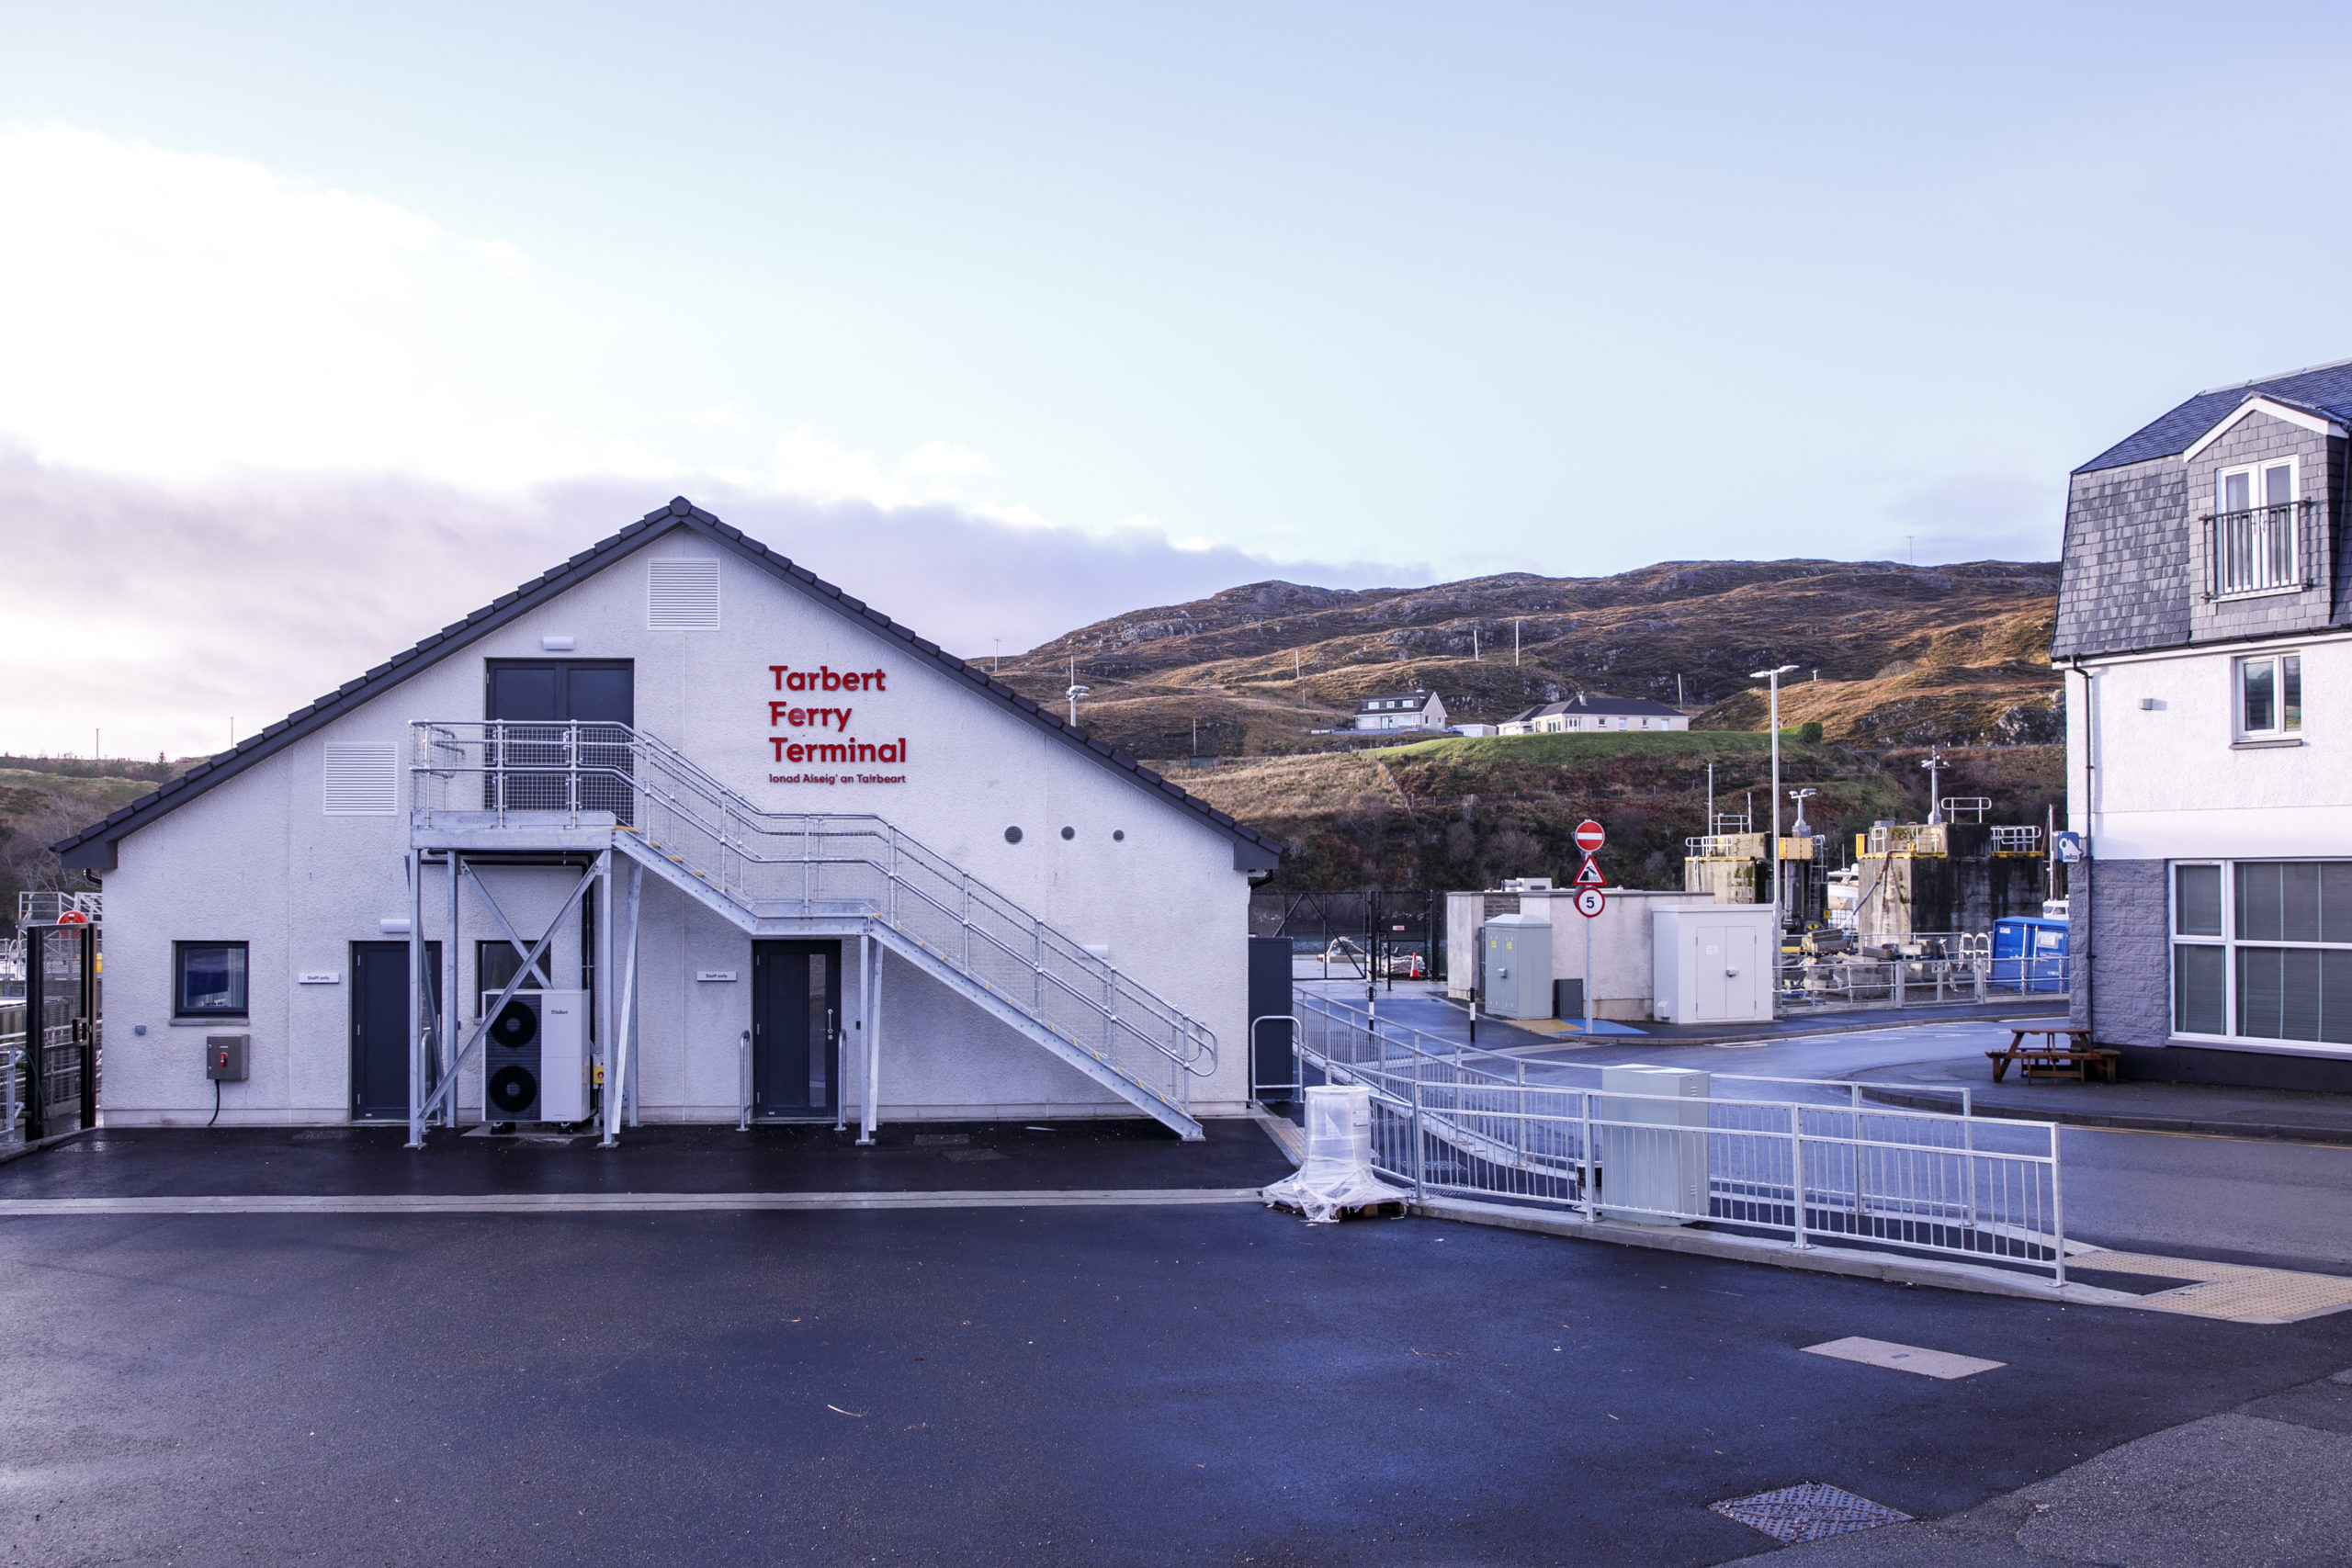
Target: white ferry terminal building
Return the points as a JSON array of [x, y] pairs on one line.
[[675, 832]]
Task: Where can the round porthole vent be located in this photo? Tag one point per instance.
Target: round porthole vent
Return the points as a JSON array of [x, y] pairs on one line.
[[1012, 835], [1118, 835], [1069, 832]]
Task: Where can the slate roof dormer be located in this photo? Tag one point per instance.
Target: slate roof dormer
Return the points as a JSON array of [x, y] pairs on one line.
[[2323, 391]]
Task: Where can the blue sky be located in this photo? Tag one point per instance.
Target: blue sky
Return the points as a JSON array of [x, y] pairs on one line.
[[1143, 301]]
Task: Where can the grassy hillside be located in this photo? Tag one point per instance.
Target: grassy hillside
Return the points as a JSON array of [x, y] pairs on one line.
[[43, 800]]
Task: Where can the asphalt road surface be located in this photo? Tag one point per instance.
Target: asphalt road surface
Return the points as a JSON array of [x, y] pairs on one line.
[[1045, 1385]]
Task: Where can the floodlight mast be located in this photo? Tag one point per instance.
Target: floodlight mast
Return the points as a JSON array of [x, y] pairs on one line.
[[1773, 675]]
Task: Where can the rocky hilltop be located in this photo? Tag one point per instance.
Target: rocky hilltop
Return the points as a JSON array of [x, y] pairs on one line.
[[1888, 655]]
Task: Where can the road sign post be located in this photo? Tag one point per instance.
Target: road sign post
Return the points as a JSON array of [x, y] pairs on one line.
[[1589, 900]]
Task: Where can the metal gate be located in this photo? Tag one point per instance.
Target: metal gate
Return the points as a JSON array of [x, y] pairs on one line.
[[1370, 934], [48, 1060]]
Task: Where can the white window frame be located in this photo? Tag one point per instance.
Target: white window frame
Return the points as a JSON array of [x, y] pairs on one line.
[[2257, 576], [2280, 728], [2229, 942]]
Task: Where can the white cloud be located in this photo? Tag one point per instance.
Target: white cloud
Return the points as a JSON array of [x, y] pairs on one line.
[[165, 610], [183, 315]]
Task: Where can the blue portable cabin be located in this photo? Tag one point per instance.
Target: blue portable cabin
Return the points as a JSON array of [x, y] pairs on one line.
[[2029, 954]]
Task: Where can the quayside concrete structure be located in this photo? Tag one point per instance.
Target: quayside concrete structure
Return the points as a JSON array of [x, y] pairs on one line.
[[688, 830]]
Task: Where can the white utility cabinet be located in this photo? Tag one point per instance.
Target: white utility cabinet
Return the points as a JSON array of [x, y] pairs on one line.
[[1658, 1165], [1516, 972], [1713, 963]]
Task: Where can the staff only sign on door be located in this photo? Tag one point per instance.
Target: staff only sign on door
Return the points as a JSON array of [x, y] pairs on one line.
[[809, 723]]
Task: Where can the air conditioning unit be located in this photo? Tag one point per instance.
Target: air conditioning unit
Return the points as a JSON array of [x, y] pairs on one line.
[[1527, 884], [534, 1061]]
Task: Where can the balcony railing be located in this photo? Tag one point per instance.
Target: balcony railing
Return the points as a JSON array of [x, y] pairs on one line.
[[2262, 549]]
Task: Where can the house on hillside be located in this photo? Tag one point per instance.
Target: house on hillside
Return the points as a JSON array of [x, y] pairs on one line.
[[2205, 633], [1402, 710], [1588, 713]]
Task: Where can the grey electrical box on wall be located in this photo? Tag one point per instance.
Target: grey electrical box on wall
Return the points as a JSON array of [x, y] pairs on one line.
[[224, 1058]]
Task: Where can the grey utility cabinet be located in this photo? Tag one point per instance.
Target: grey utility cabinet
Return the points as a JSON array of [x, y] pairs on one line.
[[1515, 966]]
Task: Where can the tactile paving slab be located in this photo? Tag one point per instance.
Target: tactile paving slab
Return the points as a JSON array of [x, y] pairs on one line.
[[1809, 1512], [2231, 1291]]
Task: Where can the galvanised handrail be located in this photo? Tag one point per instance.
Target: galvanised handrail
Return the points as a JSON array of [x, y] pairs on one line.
[[804, 863], [1435, 1056], [1918, 1181]]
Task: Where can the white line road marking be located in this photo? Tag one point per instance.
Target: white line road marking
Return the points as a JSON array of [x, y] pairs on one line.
[[617, 1202], [1903, 1357]]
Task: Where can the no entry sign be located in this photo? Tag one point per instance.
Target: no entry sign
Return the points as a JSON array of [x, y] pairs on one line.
[[1590, 838], [1590, 901]]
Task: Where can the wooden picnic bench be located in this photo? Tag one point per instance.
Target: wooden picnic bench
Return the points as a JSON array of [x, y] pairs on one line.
[[2065, 1052]]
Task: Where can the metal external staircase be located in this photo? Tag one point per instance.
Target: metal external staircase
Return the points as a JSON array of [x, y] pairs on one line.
[[515, 785]]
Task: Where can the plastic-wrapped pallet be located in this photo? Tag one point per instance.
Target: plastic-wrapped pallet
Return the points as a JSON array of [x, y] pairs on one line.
[[1338, 1172]]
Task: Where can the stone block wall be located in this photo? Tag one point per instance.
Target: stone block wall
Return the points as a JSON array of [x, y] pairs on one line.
[[2123, 966]]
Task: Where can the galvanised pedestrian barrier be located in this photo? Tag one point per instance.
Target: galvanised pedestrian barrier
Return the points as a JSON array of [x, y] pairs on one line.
[[1814, 1165]]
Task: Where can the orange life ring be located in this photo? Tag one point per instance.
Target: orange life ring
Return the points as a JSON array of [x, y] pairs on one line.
[[73, 918]]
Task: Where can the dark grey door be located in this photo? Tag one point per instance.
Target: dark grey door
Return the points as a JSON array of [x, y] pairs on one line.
[[540, 701], [379, 1027], [796, 1028]]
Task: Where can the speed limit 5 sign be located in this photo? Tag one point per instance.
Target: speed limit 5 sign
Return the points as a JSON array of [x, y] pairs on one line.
[[1590, 901]]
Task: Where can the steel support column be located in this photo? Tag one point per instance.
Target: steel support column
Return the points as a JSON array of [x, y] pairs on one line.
[[607, 1029], [416, 1090], [449, 1112], [621, 1071], [869, 1111]]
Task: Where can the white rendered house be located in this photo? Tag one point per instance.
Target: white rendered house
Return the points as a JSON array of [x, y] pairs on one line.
[[1592, 714], [2205, 637], [1402, 710], [776, 855]]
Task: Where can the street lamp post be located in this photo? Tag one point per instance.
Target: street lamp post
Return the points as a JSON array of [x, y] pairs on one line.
[[1935, 764], [1773, 675]]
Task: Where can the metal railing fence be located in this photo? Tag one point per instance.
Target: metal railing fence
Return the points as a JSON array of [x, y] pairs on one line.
[[2261, 549], [1807, 1174], [805, 864]]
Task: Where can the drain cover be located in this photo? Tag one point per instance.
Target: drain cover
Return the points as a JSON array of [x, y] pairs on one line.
[[935, 1140], [1809, 1512], [972, 1156]]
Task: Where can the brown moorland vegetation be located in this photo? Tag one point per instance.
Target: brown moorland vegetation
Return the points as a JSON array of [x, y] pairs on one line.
[[1888, 654]]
